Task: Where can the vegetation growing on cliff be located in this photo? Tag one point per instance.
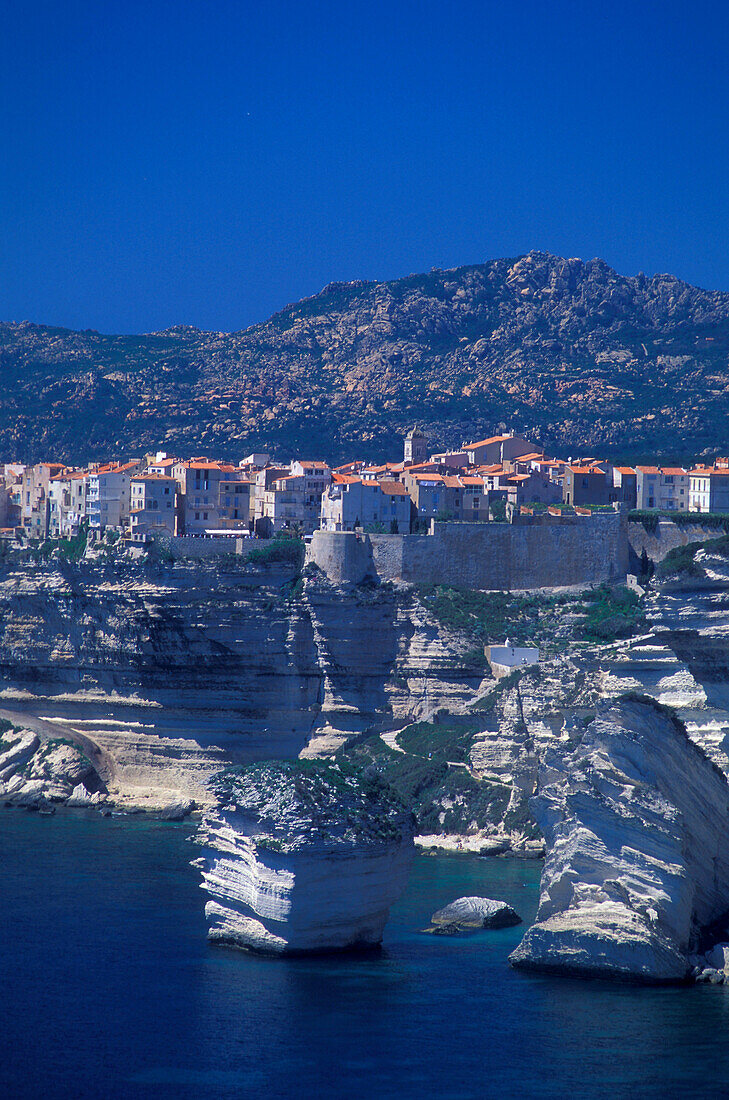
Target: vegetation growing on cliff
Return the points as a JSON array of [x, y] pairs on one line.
[[598, 614], [651, 519], [444, 799], [680, 563], [284, 547], [295, 801], [612, 613]]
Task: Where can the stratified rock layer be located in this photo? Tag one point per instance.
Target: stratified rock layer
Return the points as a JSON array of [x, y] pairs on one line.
[[303, 857], [175, 670], [636, 820]]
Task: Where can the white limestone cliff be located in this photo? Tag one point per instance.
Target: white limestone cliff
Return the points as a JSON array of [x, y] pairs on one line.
[[174, 670], [302, 857], [636, 820]]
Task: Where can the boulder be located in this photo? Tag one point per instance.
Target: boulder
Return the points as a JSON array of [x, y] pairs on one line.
[[470, 914], [718, 957], [176, 810], [81, 797]]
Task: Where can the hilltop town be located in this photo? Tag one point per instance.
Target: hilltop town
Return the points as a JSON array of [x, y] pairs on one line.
[[164, 496]]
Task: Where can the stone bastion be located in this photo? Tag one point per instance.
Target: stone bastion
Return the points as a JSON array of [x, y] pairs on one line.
[[533, 552]]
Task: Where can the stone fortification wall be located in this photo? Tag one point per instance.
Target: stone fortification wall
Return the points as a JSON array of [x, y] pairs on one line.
[[345, 556], [187, 546], [667, 537], [562, 551]]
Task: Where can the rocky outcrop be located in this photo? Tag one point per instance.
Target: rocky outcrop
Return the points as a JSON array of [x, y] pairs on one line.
[[34, 773], [303, 857], [470, 914], [636, 820], [561, 348]]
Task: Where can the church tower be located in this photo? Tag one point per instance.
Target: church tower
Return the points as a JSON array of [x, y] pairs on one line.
[[416, 447]]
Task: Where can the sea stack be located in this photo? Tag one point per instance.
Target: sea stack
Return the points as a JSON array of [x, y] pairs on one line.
[[303, 856], [636, 821]]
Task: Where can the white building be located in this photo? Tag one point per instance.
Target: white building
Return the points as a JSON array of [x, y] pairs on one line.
[[108, 495], [503, 659], [709, 489], [665, 488], [152, 505], [67, 501]]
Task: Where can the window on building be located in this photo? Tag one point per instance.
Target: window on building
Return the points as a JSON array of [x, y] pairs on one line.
[[197, 515]]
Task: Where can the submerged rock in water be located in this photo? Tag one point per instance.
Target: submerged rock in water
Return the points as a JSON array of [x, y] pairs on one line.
[[470, 914], [303, 856], [636, 820]]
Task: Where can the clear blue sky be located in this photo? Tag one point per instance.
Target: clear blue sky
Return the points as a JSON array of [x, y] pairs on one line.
[[208, 161]]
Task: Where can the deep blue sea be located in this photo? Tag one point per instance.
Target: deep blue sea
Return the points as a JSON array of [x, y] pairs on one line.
[[109, 989]]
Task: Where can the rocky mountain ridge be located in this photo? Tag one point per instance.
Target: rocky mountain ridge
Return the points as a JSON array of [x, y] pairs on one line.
[[570, 352]]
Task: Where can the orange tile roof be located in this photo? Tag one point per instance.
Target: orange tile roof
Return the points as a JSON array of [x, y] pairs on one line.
[[672, 470], [393, 488], [586, 470], [648, 469], [625, 469], [484, 442], [198, 465], [151, 477], [70, 475]]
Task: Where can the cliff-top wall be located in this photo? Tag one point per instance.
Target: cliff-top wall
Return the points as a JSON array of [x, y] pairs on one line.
[[559, 552]]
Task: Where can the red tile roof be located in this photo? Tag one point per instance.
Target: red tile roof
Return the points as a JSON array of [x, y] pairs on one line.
[[151, 477], [485, 442]]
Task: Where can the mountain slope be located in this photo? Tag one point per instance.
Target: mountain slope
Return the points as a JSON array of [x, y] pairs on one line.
[[568, 351]]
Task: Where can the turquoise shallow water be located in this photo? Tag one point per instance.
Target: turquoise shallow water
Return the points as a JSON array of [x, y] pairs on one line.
[[109, 989]]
